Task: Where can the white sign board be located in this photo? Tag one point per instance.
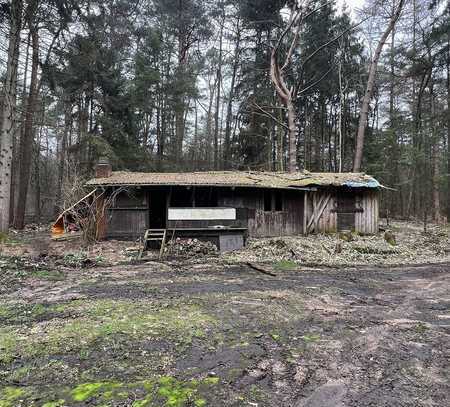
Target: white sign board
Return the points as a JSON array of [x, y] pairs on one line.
[[202, 214]]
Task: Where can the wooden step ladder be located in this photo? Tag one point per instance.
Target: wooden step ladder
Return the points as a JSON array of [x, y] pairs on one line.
[[158, 235]]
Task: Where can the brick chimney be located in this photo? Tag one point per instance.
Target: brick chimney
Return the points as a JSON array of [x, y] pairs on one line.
[[103, 168]]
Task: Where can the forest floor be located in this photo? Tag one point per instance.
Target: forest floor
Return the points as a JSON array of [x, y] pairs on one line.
[[412, 246], [95, 327], [204, 334]]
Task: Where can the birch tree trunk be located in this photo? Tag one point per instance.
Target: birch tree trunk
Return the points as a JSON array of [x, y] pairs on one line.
[[364, 113], [8, 113]]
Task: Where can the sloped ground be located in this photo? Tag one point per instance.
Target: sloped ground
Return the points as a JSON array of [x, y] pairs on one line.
[[186, 334]]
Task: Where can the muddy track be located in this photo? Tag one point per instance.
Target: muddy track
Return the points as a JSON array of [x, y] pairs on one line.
[[304, 338]]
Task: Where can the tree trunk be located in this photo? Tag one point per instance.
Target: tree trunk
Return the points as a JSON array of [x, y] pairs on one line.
[[434, 159], [219, 84], [364, 114], [448, 128], [229, 118], [292, 136], [212, 89], [196, 145], [16, 160], [280, 137], [393, 161], [26, 143], [62, 155], [179, 132], [8, 114], [180, 107], [341, 108], [284, 92], [37, 179], [285, 95]]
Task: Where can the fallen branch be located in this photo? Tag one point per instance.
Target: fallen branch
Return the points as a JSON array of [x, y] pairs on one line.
[[326, 249], [260, 269]]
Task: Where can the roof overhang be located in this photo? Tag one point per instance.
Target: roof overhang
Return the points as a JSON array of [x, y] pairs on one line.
[[305, 181]]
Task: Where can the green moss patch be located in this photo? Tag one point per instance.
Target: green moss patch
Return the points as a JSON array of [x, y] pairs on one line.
[[285, 265], [50, 275], [57, 403], [163, 391], [8, 240], [15, 270], [176, 393], [101, 320], [9, 396], [309, 338], [86, 391]]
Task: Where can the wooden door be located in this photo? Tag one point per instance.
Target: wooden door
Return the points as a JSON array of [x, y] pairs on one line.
[[346, 209]]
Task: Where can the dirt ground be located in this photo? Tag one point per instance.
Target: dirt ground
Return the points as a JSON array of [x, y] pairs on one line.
[[202, 333]]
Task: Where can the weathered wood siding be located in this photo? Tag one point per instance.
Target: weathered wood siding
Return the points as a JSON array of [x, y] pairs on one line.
[[366, 219], [127, 222], [273, 223], [131, 218], [366, 222], [129, 215], [327, 222]]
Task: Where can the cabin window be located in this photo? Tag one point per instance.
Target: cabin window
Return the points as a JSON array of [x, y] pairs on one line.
[[278, 201], [273, 201], [267, 201], [194, 197]]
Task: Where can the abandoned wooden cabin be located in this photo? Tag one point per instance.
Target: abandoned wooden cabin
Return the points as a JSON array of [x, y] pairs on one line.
[[225, 207]]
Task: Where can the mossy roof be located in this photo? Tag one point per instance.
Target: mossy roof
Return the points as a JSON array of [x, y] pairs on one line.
[[283, 180]]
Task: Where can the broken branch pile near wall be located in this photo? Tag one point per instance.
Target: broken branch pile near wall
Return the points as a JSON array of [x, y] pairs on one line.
[[412, 246]]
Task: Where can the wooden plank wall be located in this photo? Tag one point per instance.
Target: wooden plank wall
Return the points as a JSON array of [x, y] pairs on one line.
[[129, 216], [127, 222], [327, 222], [250, 206], [267, 224], [366, 222]]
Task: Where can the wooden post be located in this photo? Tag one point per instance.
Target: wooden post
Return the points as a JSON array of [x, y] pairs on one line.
[[305, 213], [100, 217], [315, 213]]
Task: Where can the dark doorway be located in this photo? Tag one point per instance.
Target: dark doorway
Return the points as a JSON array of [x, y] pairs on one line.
[[158, 208], [346, 209]]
